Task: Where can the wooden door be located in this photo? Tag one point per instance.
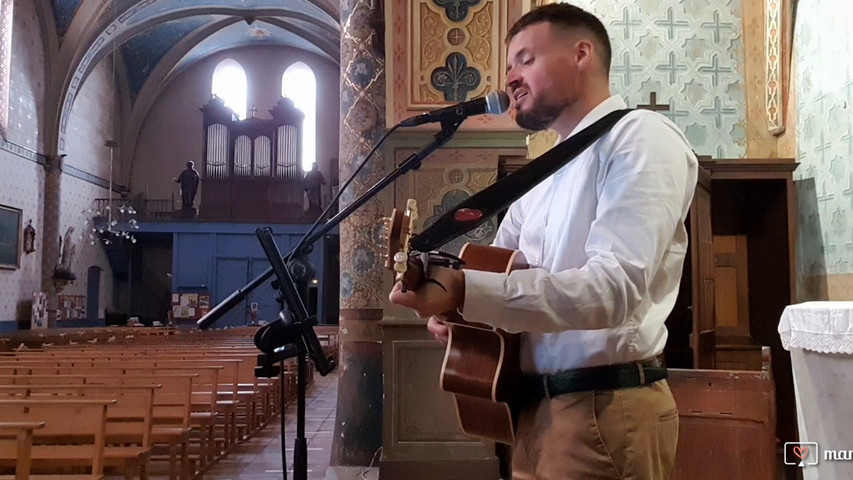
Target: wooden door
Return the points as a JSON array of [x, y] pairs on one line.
[[703, 338]]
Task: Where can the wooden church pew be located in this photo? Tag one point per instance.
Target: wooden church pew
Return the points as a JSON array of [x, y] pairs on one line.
[[16, 444]]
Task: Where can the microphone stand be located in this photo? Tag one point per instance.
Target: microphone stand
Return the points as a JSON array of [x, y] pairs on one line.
[[295, 326], [413, 162]]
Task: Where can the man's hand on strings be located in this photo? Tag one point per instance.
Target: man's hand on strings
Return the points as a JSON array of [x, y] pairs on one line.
[[431, 299]]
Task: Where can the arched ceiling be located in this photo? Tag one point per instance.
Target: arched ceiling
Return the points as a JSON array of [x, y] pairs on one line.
[[212, 26], [156, 39]]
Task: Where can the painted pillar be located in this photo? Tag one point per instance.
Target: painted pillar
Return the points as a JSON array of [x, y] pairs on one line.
[[50, 239], [358, 427]]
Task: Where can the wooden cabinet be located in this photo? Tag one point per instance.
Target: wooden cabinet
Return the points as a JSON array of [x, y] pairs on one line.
[[739, 274]]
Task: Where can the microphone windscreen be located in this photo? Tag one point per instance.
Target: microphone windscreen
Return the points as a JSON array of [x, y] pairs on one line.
[[497, 102]]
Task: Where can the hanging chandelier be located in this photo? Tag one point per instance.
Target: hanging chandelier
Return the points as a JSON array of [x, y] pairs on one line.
[[111, 220]]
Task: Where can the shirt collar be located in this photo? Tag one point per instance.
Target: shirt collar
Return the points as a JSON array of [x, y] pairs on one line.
[[610, 105]]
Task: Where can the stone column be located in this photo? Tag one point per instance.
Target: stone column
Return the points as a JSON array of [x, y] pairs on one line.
[[358, 427], [50, 238]]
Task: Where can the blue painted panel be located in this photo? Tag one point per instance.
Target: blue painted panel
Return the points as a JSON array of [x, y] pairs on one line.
[[63, 13], [265, 295], [245, 245], [226, 257], [191, 262], [231, 274], [142, 52]]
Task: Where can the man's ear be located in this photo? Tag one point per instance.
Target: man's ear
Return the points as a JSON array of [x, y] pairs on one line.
[[584, 53]]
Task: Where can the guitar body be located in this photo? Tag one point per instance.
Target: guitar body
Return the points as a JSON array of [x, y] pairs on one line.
[[481, 363]]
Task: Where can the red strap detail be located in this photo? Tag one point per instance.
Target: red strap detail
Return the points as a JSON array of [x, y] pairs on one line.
[[467, 215]]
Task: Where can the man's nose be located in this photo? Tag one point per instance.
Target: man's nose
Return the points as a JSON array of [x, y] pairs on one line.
[[513, 80]]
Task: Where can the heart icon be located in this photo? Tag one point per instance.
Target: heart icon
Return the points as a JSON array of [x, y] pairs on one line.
[[801, 452]]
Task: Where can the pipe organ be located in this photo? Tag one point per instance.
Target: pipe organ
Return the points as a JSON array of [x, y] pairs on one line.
[[252, 168]]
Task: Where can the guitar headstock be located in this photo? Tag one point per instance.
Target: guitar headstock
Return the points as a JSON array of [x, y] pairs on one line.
[[399, 232]]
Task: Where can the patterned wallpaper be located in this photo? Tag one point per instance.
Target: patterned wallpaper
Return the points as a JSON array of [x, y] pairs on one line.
[[21, 186], [22, 178], [77, 195], [450, 176], [443, 52], [90, 125], [691, 53], [26, 80], [824, 81]]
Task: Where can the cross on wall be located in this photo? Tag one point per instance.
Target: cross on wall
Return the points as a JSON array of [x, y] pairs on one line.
[[653, 104]]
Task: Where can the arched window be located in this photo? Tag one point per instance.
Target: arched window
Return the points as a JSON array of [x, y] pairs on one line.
[[229, 84], [5, 61], [298, 84]]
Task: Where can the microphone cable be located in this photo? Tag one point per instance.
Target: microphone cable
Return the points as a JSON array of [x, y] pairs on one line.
[[322, 216]]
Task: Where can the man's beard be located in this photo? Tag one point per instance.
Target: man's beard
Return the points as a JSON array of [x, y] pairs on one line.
[[540, 115]]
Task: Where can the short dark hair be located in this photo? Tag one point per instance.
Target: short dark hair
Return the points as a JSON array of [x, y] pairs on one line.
[[570, 17]]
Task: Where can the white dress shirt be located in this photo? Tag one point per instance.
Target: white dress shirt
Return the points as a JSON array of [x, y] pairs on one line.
[[605, 240]]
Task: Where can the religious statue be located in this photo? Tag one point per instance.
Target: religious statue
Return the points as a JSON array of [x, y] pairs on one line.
[[68, 249], [312, 183], [29, 238], [189, 180]]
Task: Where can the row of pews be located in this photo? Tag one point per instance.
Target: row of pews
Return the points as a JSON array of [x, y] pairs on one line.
[[81, 404]]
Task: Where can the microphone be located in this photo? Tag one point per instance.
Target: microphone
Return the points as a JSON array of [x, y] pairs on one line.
[[495, 103]]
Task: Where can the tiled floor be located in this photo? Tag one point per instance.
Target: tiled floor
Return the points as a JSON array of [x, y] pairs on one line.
[[259, 458]]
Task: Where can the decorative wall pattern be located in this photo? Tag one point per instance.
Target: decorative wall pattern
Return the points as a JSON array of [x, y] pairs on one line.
[[21, 175], [78, 195], [691, 53], [63, 13], [824, 82], [455, 50], [362, 125], [21, 185], [5, 61], [91, 124], [447, 51], [26, 80], [450, 176], [142, 52]]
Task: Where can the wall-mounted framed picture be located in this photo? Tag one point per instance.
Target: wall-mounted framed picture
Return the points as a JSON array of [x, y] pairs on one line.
[[10, 237]]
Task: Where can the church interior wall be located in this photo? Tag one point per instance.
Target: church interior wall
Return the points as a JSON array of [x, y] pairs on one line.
[[21, 174], [823, 71]]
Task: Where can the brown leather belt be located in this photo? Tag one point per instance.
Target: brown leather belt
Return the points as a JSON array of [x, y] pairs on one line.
[[606, 377]]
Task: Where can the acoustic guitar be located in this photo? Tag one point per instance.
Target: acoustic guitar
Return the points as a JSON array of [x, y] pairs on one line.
[[481, 363]]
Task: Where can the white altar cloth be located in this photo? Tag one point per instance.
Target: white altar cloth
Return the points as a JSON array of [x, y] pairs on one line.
[[819, 336]]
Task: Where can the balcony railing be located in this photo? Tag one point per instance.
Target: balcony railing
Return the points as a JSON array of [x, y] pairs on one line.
[[147, 210]]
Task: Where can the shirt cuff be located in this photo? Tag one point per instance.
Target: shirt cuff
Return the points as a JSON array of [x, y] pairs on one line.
[[484, 297]]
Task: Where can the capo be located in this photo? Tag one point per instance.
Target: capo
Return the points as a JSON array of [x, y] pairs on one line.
[[437, 259]]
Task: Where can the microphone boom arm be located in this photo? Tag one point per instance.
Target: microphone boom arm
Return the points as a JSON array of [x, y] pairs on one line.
[[413, 162]]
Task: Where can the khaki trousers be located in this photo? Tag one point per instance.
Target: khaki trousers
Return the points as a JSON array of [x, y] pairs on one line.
[[629, 433]]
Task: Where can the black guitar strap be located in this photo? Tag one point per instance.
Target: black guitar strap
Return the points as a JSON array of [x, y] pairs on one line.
[[478, 208]]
